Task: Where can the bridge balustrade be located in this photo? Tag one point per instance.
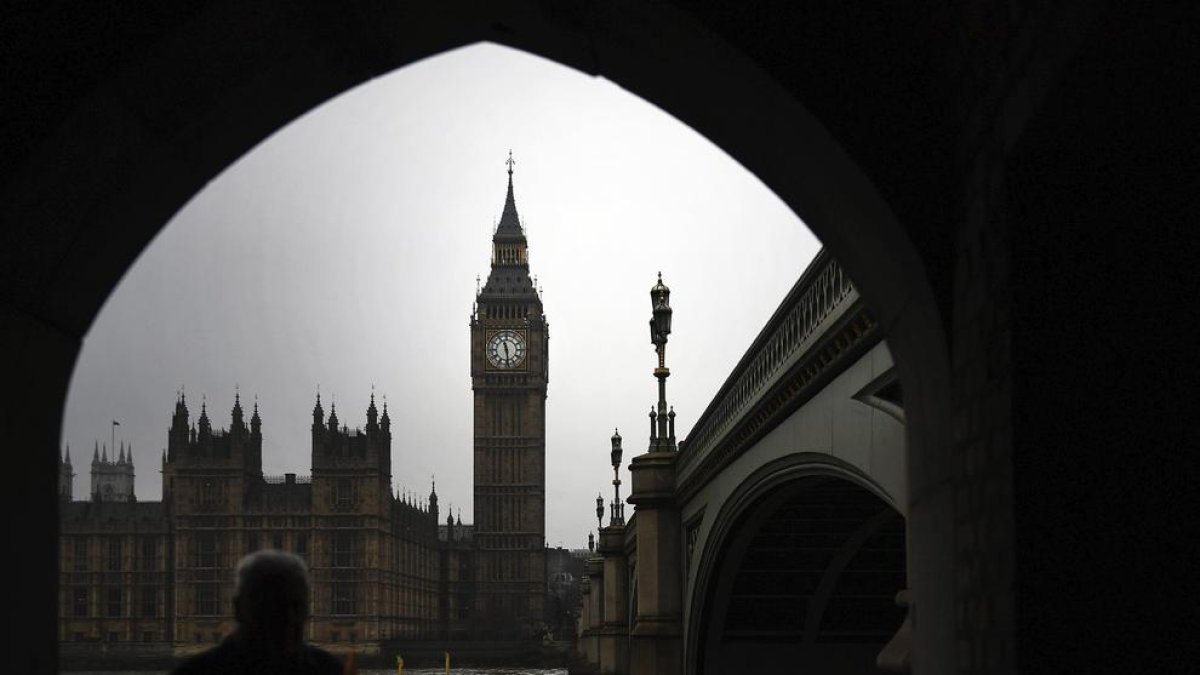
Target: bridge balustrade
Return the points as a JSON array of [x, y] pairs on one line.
[[822, 294]]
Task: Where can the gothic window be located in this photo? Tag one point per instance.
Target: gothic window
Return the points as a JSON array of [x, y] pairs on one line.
[[208, 493], [80, 554], [149, 558], [114, 554], [344, 549], [343, 493], [205, 599], [150, 602], [344, 598], [79, 602], [206, 549], [113, 606]]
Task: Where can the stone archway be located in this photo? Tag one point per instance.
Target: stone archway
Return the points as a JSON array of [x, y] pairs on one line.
[[165, 121], [799, 572]]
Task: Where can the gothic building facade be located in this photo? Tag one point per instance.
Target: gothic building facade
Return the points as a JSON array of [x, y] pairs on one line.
[[384, 567]]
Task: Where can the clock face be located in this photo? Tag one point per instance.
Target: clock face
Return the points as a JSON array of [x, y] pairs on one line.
[[506, 349]]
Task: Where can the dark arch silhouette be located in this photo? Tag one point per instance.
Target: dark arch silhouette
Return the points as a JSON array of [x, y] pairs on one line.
[[135, 131]]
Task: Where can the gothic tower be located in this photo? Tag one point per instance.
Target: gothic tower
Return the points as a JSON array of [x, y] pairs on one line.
[[66, 476], [509, 372], [112, 480]]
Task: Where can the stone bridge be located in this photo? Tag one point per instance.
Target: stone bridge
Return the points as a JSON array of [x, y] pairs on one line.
[[774, 536]]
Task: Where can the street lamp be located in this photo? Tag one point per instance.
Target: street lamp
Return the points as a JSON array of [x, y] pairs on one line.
[[618, 509], [599, 511], [662, 422]]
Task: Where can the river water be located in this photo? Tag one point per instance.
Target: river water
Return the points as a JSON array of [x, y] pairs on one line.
[[454, 670]]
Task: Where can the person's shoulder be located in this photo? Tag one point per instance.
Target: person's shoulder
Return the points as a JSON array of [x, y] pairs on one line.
[[322, 661], [211, 660]]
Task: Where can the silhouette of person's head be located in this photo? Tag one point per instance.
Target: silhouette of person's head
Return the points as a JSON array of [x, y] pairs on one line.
[[271, 599]]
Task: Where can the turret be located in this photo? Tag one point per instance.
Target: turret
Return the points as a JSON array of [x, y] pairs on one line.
[[372, 414], [66, 476], [433, 501], [255, 421], [238, 423], [204, 423]]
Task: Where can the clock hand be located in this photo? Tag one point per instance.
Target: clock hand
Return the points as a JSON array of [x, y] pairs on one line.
[[506, 350]]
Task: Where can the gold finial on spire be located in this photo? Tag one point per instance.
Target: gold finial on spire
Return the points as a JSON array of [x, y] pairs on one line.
[[510, 162]]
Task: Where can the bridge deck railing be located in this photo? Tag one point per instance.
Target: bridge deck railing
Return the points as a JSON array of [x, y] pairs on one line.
[[820, 299]]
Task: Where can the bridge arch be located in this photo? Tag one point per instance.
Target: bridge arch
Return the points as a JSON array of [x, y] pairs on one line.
[[798, 570], [174, 113]]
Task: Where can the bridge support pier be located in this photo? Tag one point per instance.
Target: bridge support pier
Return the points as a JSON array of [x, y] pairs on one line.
[[614, 632], [583, 637], [594, 569], [656, 641]]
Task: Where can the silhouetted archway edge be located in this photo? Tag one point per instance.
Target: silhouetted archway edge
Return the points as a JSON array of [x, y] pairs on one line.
[[150, 137]]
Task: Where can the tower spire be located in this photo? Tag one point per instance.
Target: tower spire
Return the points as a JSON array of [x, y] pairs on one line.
[[510, 223]]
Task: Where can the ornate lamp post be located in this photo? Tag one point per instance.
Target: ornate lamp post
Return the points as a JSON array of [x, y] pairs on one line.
[[618, 508], [599, 511], [662, 422], [591, 542]]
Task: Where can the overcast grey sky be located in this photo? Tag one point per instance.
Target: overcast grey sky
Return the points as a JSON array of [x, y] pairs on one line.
[[342, 252]]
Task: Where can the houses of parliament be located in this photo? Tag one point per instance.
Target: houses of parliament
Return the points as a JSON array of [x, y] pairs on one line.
[[383, 567]]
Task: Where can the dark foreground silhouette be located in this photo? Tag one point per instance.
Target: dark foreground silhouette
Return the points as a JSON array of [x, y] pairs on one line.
[[270, 603]]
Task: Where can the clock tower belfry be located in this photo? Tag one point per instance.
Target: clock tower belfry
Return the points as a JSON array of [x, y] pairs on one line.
[[509, 373]]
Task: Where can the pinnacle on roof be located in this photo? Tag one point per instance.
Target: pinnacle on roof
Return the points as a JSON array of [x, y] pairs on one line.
[[510, 223]]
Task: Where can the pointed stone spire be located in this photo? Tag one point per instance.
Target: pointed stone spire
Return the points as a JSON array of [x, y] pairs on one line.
[[333, 418], [318, 412], [121, 457], [236, 413], [96, 453], [509, 229], [385, 421], [67, 455], [372, 412], [255, 420], [104, 454]]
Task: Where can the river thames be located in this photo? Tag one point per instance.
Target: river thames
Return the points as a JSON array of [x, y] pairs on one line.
[[465, 670]]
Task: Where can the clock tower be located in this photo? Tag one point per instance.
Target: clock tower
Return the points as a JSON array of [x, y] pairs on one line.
[[509, 372]]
